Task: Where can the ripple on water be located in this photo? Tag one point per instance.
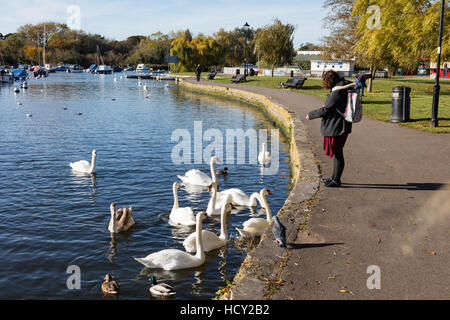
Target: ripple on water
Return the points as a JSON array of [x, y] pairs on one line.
[[51, 217]]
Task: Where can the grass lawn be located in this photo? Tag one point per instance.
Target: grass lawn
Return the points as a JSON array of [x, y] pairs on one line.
[[377, 104]]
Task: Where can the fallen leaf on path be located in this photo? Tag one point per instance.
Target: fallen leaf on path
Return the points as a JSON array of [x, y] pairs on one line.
[[432, 253]]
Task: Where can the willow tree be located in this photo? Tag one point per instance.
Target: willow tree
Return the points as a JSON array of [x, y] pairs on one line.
[[190, 51], [275, 44], [394, 33]]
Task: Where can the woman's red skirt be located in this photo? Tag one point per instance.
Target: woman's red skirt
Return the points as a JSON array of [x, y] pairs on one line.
[[333, 145]]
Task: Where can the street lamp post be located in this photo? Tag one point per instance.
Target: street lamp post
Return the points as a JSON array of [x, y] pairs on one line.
[[436, 88], [246, 26]]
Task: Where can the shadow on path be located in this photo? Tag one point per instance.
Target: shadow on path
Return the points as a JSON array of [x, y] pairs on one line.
[[407, 186], [310, 245]]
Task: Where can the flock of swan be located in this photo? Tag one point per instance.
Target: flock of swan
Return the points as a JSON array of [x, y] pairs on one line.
[[200, 241]]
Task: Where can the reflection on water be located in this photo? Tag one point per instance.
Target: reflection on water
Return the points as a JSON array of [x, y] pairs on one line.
[[52, 217]]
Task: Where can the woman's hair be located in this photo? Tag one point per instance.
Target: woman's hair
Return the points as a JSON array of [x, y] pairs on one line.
[[329, 79]]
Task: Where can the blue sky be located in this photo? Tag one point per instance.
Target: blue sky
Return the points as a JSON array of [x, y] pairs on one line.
[[120, 19]]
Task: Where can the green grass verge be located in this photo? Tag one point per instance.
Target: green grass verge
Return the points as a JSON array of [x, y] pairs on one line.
[[377, 104]]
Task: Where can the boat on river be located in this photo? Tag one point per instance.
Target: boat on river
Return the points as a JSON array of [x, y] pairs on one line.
[[102, 68], [6, 76], [141, 68]]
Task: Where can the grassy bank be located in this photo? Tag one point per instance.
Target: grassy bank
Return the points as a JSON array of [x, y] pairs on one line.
[[377, 104]]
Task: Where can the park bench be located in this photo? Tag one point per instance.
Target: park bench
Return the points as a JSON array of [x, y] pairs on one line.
[[211, 75], [238, 78], [296, 82]]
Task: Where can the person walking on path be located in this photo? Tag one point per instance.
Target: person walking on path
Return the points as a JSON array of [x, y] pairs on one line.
[[334, 128], [198, 72], [361, 81]]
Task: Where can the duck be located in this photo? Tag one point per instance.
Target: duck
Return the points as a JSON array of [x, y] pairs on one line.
[[84, 166], [255, 227], [174, 259], [210, 240], [161, 289], [181, 216], [222, 172], [196, 177], [29, 115], [264, 156], [110, 286], [121, 220]]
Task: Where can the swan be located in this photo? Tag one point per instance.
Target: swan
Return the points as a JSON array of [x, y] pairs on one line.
[[161, 289], [238, 198], [110, 286], [121, 220], [255, 227], [174, 259], [210, 240], [264, 156], [181, 216], [84, 166], [196, 177]]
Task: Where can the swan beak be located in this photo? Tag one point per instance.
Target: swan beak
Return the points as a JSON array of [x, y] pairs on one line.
[[233, 206], [270, 193], [209, 189]]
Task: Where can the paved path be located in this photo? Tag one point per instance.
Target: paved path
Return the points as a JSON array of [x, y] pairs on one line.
[[392, 211]]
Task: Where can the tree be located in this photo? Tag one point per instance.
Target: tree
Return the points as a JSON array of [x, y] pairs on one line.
[[406, 30], [342, 27], [232, 43], [275, 43]]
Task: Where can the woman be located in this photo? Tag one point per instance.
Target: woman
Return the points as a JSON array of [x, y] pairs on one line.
[[334, 128]]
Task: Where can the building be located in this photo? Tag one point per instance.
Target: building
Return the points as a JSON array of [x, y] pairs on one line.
[[344, 68]]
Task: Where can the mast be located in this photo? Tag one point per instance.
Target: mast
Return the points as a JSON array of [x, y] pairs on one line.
[[45, 40], [38, 43]]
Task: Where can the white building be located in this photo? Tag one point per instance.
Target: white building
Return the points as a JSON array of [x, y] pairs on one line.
[[344, 68]]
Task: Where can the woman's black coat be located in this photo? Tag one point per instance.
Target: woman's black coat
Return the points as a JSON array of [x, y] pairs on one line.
[[333, 122]]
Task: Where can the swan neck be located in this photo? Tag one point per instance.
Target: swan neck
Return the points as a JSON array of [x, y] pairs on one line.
[[223, 222], [266, 206], [112, 222], [93, 163], [213, 170], [199, 240], [214, 196], [175, 198]]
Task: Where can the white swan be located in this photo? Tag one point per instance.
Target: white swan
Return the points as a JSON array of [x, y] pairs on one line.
[[210, 240], [121, 220], [217, 200], [84, 166], [181, 216], [196, 177], [264, 156], [174, 259], [255, 227]]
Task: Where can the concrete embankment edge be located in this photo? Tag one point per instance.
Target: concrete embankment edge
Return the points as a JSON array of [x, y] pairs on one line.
[[259, 274]]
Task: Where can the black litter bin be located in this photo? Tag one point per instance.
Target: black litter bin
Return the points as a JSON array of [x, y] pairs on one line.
[[400, 104], [292, 73], [238, 71]]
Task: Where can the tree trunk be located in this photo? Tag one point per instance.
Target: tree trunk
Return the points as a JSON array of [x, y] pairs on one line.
[[273, 67], [372, 73]]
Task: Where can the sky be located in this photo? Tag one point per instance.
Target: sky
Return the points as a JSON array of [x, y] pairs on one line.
[[120, 19]]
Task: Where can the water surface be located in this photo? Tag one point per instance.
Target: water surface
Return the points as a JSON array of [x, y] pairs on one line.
[[51, 218]]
